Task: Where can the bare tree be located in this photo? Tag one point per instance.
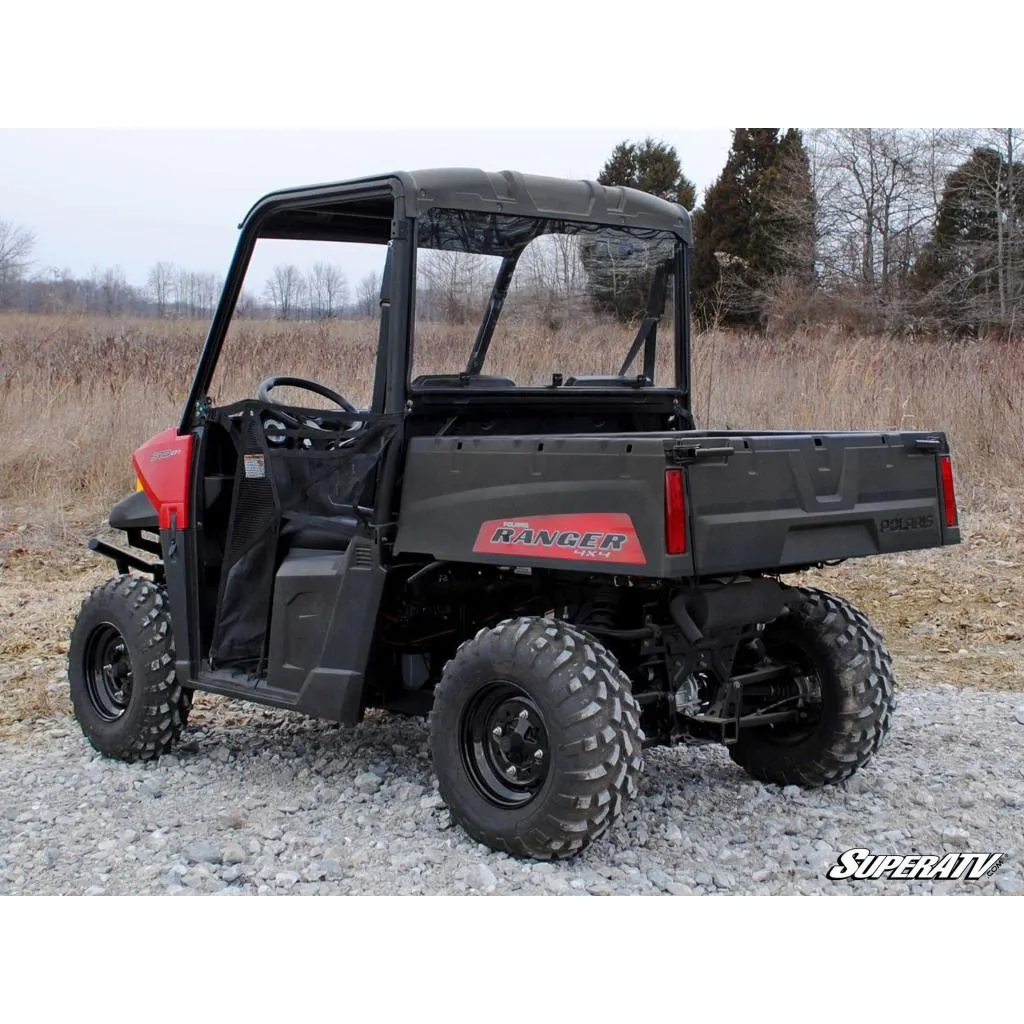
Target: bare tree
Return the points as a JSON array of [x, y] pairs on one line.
[[60, 289], [113, 288], [973, 272], [328, 289], [91, 289], [184, 292], [453, 283], [159, 284], [247, 304], [207, 289], [368, 295], [16, 245], [877, 194], [1002, 195], [868, 175], [551, 264], [284, 289], [549, 280]]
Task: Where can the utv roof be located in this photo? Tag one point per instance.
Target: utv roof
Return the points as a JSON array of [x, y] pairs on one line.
[[362, 209]]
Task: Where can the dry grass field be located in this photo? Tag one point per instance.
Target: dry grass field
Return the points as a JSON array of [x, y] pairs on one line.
[[78, 395]]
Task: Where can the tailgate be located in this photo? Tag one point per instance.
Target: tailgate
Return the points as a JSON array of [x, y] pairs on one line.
[[761, 501]]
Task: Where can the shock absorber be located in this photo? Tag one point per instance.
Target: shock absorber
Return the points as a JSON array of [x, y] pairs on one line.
[[600, 612], [651, 667]]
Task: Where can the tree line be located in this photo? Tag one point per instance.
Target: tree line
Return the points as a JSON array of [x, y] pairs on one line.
[[174, 291], [170, 290], [906, 231], [879, 230]]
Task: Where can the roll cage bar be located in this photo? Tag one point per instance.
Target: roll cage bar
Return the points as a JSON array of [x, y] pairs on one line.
[[383, 210]]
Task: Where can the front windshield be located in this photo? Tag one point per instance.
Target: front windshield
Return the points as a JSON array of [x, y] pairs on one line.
[[528, 299]]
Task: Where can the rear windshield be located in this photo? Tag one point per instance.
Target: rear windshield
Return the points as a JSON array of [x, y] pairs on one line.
[[518, 300]]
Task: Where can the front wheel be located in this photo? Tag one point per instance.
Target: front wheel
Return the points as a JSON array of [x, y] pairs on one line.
[[121, 671], [535, 738], [843, 676]]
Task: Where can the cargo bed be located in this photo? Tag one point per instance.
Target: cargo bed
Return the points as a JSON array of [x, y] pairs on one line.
[[753, 501]]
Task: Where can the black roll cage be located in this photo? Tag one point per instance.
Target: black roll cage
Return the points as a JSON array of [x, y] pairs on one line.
[[499, 292], [383, 210]]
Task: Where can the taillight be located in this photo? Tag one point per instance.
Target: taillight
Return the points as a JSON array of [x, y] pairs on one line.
[[948, 493], [675, 513]]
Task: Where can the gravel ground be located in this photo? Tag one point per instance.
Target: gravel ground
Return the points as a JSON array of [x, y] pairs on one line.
[[259, 801], [265, 801]]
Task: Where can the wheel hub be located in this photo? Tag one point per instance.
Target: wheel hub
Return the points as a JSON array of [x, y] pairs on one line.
[[504, 744], [108, 672], [516, 742]]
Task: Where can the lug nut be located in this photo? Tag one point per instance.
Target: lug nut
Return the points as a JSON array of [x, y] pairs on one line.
[[496, 731], [538, 755], [524, 713], [510, 770]]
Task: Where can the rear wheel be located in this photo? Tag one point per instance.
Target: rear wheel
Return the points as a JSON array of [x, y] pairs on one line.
[[121, 671], [535, 738], [843, 678]]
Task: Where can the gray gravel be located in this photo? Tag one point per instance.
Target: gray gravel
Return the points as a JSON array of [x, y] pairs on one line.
[[269, 802]]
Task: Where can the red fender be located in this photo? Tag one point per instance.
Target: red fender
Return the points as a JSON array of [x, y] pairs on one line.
[[162, 465]]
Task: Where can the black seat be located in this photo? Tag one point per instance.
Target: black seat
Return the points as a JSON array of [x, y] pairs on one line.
[[331, 533]]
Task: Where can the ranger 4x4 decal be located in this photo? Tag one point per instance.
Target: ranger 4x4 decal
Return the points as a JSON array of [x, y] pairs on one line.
[[601, 536]]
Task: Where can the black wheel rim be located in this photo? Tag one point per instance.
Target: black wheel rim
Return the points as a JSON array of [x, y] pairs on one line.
[[108, 672], [504, 744]]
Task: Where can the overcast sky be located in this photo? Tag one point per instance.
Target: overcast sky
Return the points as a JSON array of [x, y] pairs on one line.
[[132, 197]]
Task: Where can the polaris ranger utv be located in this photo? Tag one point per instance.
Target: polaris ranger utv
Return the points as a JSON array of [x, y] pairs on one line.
[[560, 570]]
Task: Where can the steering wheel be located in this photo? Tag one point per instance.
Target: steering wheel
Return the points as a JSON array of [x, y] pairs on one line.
[[306, 385], [281, 418]]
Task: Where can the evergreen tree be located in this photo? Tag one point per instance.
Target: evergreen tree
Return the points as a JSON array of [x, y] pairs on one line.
[[619, 273], [756, 225], [651, 167], [782, 236], [971, 272]]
